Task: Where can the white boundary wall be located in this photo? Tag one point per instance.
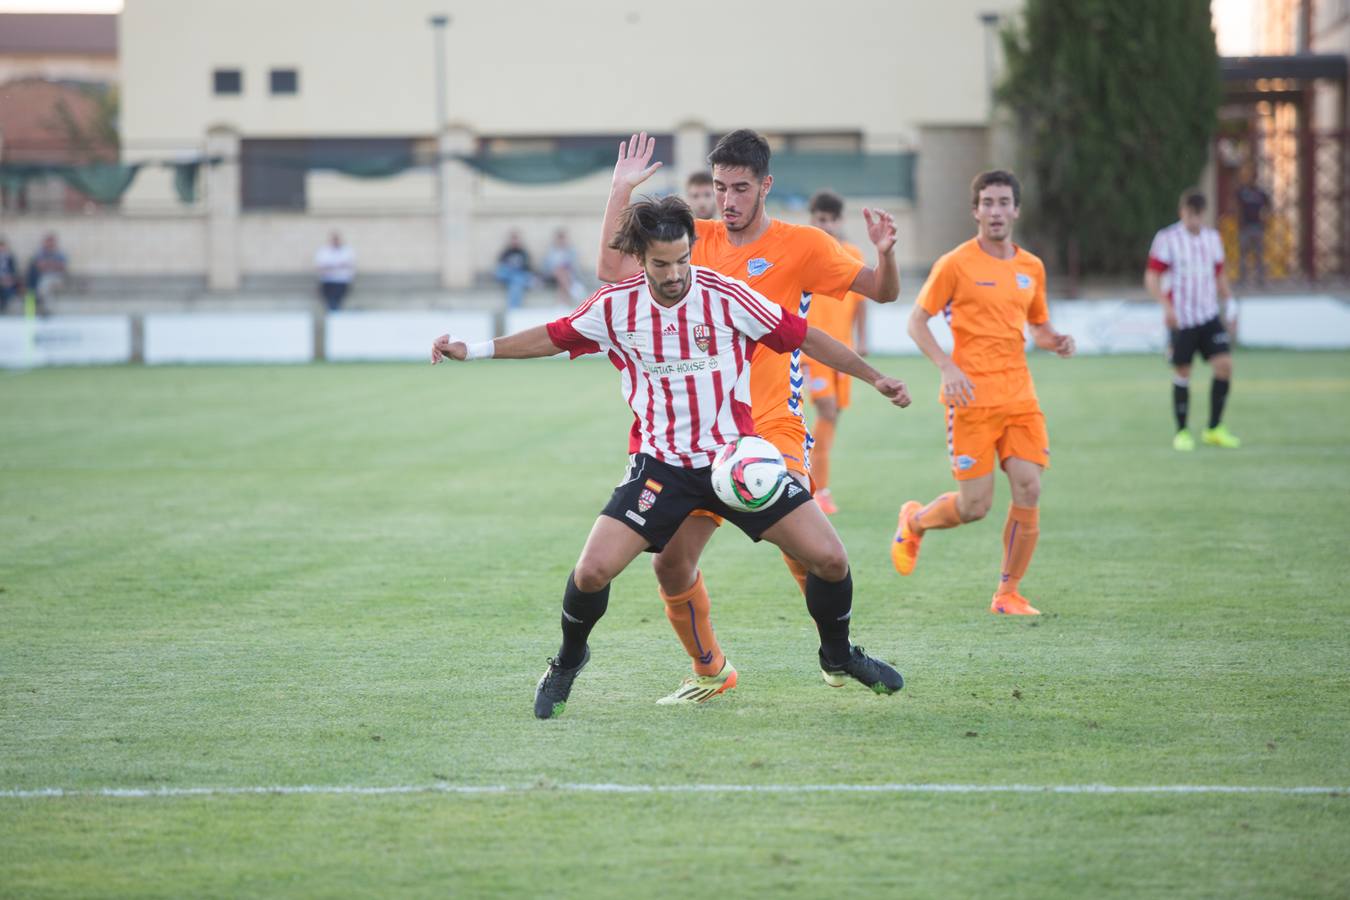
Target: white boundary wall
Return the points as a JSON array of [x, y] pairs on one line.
[[65, 341], [1100, 326], [281, 337], [350, 336]]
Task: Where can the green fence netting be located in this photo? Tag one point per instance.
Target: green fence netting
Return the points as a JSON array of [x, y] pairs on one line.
[[799, 175]]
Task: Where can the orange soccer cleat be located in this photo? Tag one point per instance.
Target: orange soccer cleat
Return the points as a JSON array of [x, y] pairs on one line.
[[905, 547], [1013, 604]]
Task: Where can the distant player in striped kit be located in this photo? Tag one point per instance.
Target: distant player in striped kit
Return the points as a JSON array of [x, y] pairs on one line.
[[682, 338], [1186, 275]]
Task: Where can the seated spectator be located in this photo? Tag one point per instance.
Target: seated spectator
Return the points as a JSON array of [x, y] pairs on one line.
[[47, 273], [513, 270], [11, 285], [560, 267], [336, 263]]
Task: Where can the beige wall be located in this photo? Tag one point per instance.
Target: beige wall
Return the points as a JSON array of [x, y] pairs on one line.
[[599, 66], [948, 159]]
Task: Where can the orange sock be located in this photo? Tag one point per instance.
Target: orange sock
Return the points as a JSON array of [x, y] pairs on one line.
[[798, 572], [941, 513], [690, 614], [1019, 542], [820, 453]]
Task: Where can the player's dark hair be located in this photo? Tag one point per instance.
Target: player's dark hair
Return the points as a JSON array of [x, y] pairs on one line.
[[1194, 200], [827, 202], [699, 179], [993, 177], [742, 149], [649, 220]]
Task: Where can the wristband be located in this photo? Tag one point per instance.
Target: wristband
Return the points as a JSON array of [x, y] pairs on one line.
[[480, 350]]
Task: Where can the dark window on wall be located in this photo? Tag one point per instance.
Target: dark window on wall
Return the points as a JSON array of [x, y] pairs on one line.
[[285, 81], [227, 81]]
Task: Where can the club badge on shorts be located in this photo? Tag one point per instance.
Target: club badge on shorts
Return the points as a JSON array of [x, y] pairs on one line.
[[647, 499], [702, 337]]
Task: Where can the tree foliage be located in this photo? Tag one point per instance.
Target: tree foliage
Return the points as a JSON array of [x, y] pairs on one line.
[[1116, 103]]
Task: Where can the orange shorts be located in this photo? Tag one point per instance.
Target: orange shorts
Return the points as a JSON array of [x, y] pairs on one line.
[[826, 382], [789, 436], [978, 435]]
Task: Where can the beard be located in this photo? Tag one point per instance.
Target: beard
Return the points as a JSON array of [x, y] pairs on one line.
[[743, 221]]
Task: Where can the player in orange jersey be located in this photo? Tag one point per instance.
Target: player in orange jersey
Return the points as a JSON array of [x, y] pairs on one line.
[[787, 264], [989, 290], [841, 320]]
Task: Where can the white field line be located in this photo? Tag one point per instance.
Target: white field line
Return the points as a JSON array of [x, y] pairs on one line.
[[567, 788]]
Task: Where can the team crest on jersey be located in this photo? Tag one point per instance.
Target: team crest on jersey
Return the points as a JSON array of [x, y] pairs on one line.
[[1023, 281], [757, 266], [702, 337]]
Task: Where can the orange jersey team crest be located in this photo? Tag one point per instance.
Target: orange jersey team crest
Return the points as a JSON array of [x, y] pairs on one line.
[[789, 264]]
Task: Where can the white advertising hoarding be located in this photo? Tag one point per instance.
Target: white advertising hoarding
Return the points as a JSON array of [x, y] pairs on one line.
[[280, 337], [358, 335], [65, 341]]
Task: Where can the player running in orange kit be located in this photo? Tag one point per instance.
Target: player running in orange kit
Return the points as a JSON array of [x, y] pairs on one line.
[[841, 319], [989, 290], [787, 264]]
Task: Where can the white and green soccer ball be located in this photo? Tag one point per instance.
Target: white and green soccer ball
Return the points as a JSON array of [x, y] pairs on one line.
[[749, 474]]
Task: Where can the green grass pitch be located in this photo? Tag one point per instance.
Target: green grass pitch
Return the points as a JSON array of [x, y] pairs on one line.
[[351, 576]]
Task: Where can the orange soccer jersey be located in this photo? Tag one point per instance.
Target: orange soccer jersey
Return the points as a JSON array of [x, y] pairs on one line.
[[786, 264], [988, 302]]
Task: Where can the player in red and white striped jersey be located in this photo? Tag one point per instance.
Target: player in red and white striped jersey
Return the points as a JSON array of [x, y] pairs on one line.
[[685, 368], [681, 337], [1186, 275]]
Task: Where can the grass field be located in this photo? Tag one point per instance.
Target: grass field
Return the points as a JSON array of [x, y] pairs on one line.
[[351, 576]]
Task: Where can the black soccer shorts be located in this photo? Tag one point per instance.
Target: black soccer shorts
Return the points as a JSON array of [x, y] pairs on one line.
[[654, 499], [1210, 338]]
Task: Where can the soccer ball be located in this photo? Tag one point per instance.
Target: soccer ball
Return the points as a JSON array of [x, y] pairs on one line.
[[749, 474]]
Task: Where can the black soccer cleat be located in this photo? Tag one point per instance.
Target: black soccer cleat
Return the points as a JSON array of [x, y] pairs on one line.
[[874, 673], [550, 697]]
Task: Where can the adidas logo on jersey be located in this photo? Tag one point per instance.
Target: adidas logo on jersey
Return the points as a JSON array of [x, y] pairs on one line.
[[670, 329]]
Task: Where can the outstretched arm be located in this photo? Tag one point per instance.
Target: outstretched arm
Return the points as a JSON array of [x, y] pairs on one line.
[[633, 167], [881, 282], [821, 347], [531, 343]]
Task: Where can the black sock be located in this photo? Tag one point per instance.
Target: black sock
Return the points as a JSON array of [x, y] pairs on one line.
[[1218, 394], [580, 612], [1181, 402], [831, 604]]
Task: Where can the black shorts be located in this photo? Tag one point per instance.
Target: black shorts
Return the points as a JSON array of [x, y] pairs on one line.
[[1210, 338], [654, 499]]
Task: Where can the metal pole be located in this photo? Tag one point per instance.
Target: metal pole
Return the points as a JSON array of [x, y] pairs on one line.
[[438, 24]]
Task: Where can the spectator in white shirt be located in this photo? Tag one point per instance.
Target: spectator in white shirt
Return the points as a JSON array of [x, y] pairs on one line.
[[336, 264]]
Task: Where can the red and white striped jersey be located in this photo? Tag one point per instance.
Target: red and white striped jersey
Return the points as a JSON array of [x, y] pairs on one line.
[[685, 368], [1190, 264]]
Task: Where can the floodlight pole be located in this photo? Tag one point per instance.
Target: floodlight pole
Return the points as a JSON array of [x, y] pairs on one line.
[[438, 24], [990, 22]]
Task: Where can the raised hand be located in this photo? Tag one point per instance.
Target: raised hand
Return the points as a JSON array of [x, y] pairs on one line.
[[880, 229], [635, 164], [446, 348], [894, 390]]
